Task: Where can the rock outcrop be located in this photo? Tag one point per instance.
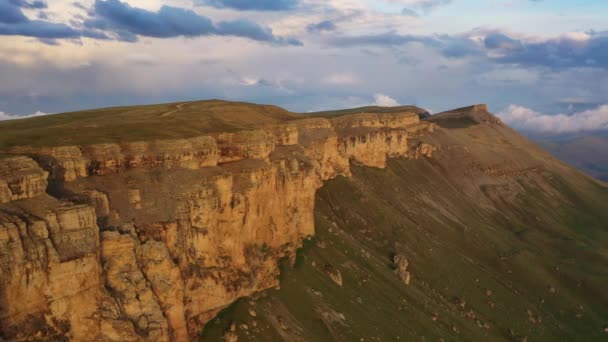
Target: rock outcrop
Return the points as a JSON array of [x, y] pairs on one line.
[[333, 273], [21, 178], [401, 264], [150, 240]]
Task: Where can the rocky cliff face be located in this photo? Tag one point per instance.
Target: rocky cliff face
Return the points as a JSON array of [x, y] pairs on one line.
[[491, 239], [21, 178], [150, 240]]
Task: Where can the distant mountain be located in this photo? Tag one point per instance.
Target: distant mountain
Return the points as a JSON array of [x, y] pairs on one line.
[[586, 151]]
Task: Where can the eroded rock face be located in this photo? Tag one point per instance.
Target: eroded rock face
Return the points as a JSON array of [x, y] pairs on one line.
[[21, 178], [49, 273], [125, 280], [152, 239]]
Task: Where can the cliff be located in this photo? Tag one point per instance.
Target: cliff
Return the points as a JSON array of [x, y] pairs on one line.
[[133, 240], [491, 239]]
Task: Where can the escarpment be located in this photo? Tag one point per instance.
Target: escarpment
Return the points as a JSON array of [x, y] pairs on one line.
[[149, 240]]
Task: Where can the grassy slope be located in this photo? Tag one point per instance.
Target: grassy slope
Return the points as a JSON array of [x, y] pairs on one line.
[[163, 121], [536, 240]]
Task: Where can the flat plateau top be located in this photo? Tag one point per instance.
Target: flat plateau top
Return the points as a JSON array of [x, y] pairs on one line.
[[162, 121]]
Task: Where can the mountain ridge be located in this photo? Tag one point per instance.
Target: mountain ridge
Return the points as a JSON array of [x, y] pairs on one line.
[[153, 238]]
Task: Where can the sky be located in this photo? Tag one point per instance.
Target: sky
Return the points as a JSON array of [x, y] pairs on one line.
[[541, 65]]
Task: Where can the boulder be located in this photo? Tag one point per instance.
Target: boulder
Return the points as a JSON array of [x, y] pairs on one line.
[[401, 263]]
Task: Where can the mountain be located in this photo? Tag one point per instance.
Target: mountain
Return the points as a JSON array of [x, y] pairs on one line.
[[247, 222], [586, 151]]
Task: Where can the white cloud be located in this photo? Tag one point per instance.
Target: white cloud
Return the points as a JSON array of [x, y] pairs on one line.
[[527, 119], [5, 116], [385, 101], [577, 36], [341, 79], [249, 81]]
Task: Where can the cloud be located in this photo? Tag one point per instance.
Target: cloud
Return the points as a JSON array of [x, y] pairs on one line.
[[529, 120], [260, 82], [127, 23], [341, 79], [247, 29], [250, 5], [14, 23], [167, 22], [141, 59], [571, 50], [10, 13], [385, 101], [408, 12], [5, 116], [425, 6], [447, 45], [388, 52], [36, 4], [326, 25], [47, 30], [432, 4], [499, 40], [79, 6], [381, 39]]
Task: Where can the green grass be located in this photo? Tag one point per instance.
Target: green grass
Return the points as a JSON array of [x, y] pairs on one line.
[[163, 121], [456, 250]]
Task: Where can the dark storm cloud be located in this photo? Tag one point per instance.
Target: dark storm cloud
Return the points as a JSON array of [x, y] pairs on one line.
[[250, 5], [129, 22]]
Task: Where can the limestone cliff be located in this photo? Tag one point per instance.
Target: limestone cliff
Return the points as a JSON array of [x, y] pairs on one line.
[[150, 240]]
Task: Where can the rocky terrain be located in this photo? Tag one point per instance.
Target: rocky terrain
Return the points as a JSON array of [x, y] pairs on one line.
[[247, 222], [149, 240]]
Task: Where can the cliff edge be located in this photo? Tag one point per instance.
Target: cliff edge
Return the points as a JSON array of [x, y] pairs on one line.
[[112, 237]]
